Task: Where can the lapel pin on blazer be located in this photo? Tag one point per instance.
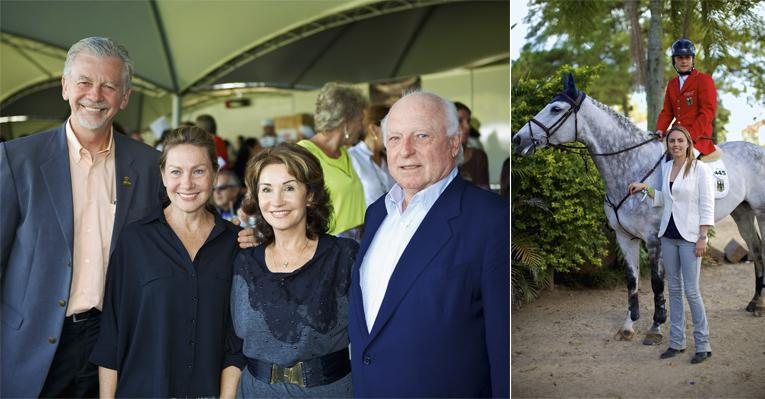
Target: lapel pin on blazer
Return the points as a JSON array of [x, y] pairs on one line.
[[126, 181]]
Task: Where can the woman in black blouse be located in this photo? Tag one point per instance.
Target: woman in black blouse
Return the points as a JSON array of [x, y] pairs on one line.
[[166, 304], [289, 296]]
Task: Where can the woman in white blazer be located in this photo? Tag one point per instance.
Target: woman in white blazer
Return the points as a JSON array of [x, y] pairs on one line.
[[687, 198]]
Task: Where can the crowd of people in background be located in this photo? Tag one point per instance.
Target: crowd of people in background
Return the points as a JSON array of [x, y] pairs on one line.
[[350, 146]]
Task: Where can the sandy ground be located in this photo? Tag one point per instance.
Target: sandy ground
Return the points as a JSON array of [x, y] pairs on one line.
[[563, 344]]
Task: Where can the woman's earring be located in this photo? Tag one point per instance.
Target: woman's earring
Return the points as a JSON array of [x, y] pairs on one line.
[[345, 133]]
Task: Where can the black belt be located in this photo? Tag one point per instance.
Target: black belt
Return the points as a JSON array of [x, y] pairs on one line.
[[88, 314], [309, 373]]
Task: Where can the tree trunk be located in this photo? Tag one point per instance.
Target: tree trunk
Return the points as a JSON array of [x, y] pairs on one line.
[[654, 85], [636, 40], [686, 18], [626, 107]]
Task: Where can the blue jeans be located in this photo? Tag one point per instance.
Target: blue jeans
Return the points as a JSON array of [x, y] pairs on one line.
[[683, 268]]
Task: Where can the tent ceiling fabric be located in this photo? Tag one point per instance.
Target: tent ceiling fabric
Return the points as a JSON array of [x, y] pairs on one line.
[[185, 47], [32, 64], [166, 39], [411, 42]]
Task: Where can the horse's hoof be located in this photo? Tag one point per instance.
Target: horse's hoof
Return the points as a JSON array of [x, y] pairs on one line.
[[625, 335], [758, 310], [653, 339], [751, 306]]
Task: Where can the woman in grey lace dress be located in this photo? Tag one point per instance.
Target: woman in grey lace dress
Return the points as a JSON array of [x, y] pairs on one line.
[[289, 298]]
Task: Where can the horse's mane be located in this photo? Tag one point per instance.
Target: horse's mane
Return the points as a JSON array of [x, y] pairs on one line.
[[622, 120]]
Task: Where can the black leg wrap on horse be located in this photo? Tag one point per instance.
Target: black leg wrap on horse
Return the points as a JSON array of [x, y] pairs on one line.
[[634, 307], [659, 303], [633, 299], [660, 315]]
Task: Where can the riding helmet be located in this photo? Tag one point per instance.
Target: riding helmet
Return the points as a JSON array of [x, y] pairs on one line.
[[683, 47]]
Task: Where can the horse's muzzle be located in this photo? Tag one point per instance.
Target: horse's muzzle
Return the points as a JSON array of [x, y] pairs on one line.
[[521, 148]]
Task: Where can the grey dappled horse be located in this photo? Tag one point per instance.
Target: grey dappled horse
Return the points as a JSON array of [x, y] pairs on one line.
[[623, 154]]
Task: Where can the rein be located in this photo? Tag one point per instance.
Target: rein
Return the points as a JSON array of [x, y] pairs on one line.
[[624, 199], [607, 154]]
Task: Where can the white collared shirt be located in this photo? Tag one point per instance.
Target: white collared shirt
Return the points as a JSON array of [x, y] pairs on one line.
[[681, 79], [391, 239], [375, 179]]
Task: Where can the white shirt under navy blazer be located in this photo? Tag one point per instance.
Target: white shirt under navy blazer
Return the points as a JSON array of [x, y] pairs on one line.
[[691, 200], [391, 240]]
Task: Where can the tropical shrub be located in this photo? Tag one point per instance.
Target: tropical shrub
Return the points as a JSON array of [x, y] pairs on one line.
[[557, 196]]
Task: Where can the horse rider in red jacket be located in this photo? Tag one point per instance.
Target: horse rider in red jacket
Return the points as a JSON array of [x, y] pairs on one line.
[[690, 99]]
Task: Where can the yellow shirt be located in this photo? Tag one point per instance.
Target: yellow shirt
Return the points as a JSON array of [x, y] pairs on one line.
[[345, 188], [94, 205]]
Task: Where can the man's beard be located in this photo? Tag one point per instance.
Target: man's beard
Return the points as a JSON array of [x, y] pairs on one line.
[[91, 122]]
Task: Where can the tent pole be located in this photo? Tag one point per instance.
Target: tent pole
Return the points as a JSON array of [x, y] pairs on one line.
[[176, 111], [472, 84]]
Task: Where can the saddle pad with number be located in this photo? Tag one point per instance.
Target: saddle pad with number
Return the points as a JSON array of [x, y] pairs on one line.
[[720, 173]]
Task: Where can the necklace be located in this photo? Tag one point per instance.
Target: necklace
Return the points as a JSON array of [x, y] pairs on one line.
[[285, 263]]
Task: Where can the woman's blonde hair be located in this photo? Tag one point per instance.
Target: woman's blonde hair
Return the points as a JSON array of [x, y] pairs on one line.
[[688, 151], [337, 104], [190, 135]]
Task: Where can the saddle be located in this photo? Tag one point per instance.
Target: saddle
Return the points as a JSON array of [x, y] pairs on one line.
[[719, 171], [713, 156]]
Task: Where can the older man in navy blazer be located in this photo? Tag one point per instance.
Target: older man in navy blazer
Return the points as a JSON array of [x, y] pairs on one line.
[[66, 194], [429, 310]]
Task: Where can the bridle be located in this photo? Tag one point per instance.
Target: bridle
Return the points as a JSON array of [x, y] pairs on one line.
[[574, 109], [550, 131]]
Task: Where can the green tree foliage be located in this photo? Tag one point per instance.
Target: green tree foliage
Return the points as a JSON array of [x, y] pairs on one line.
[[729, 34], [557, 199], [579, 33], [730, 38], [528, 274]]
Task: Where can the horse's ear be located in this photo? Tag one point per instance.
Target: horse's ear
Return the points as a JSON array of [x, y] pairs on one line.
[[569, 86]]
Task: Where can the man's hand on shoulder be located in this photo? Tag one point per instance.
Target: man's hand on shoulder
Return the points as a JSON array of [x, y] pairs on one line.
[[246, 238]]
